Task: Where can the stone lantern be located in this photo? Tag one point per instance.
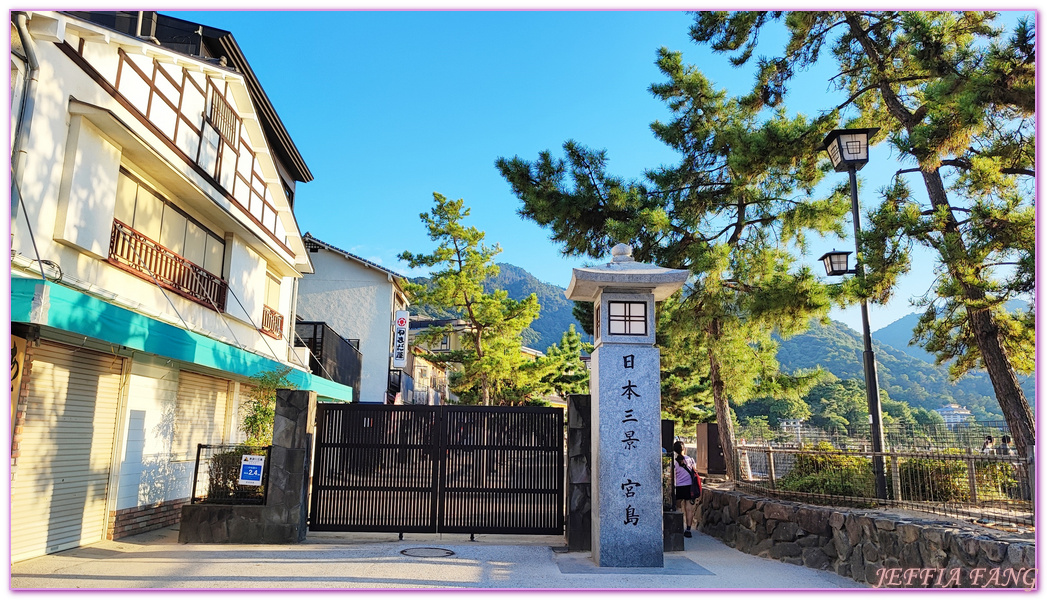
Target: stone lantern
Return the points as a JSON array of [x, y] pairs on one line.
[[626, 404]]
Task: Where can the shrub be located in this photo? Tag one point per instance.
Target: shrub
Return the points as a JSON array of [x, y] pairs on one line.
[[829, 474], [223, 474], [934, 480]]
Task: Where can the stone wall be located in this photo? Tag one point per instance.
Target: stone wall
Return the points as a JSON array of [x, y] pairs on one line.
[[877, 548], [578, 532], [283, 519]]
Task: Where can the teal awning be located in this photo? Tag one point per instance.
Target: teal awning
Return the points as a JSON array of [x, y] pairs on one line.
[[46, 303]]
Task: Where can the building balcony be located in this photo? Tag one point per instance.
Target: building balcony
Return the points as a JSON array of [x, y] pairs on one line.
[[330, 355], [141, 256], [272, 322]]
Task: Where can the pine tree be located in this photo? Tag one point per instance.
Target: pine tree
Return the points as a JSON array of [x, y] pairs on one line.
[[491, 358], [562, 371], [955, 99], [728, 212]]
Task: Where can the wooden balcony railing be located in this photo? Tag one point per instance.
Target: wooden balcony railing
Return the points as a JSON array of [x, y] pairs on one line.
[[140, 255], [272, 322]]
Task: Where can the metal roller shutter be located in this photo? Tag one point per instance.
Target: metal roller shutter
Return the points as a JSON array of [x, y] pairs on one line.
[[60, 485], [200, 413]]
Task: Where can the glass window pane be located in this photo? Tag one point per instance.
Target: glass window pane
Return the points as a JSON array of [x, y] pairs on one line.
[[126, 189], [615, 309], [272, 291], [616, 328], [172, 231], [149, 210], [213, 261], [195, 244]]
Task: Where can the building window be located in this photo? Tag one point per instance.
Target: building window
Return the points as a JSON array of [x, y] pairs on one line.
[[156, 241], [627, 318], [445, 343], [145, 211]]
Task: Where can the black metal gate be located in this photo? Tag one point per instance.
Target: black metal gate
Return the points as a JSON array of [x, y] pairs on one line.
[[446, 469]]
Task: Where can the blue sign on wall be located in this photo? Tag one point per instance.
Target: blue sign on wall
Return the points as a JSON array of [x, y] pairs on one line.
[[251, 469]]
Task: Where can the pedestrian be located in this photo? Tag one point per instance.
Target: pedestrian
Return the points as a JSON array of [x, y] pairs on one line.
[[688, 485], [1005, 446], [987, 445]]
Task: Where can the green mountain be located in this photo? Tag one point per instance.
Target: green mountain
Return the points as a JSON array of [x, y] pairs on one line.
[[554, 319], [899, 333], [906, 373], [838, 349]]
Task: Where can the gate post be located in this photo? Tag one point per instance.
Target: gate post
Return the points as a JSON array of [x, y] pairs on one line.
[[579, 463], [288, 510], [627, 530]]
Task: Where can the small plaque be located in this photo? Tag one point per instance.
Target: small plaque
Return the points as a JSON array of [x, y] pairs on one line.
[[251, 469]]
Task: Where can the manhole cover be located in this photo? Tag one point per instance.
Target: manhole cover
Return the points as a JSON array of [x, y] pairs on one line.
[[427, 552]]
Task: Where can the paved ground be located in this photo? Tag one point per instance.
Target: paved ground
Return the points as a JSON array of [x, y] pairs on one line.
[[378, 561]]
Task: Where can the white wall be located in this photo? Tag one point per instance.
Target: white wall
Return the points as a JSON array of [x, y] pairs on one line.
[[355, 301], [87, 196], [69, 190]]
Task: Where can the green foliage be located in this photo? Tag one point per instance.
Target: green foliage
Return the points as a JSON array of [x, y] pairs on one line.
[[838, 350], [955, 98], [492, 367], [259, 408], [223, 476], [561, 370], [934, 480], [725, 212], [830, 473]]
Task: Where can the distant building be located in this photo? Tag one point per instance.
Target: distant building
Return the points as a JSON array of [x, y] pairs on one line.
[[358, 299], [954, 414]]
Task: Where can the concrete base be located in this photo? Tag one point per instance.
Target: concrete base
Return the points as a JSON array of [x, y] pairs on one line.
[[222, 524]]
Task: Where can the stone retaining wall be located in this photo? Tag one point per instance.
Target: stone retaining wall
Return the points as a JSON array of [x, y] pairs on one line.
[[880, 549], [282, 520]]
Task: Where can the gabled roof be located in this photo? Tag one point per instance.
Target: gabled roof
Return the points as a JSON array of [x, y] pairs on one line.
[[311, 242], [201, 41]]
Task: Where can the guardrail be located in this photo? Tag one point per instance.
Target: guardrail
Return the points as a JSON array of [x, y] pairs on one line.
[[987, 487]]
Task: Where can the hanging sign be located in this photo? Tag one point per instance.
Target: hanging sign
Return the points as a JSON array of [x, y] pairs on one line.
[[400, 324], [251, 469]]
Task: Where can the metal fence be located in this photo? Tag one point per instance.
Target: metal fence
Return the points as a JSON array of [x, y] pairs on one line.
[[991, 488], [909, 437], [217, 476]]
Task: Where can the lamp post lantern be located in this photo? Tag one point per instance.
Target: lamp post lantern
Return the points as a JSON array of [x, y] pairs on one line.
[[849, 151]]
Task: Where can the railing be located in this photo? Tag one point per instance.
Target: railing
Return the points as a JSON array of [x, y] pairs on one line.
[[991, 488], [272, 322], [330, 355], [217, 476], [134, 252]]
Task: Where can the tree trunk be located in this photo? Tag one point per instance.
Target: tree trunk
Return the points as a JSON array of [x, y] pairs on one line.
[[986, 331], [723, 411], [1009, 393], [957, 260]]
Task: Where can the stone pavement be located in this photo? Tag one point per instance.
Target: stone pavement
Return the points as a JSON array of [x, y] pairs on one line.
[[379, 561]]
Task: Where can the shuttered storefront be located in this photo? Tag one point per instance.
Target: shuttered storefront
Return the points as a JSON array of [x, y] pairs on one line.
[[201, 412], [60, 484]]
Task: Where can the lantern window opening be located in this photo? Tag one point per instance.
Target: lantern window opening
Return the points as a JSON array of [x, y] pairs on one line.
[[627, 318]]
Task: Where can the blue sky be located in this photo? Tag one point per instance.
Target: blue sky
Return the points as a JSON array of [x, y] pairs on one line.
[[389, 107]]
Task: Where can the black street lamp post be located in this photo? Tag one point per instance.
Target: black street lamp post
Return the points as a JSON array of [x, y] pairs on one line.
[[849, 151]]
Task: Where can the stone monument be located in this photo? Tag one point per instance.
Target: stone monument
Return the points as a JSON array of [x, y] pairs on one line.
[[626, 407]]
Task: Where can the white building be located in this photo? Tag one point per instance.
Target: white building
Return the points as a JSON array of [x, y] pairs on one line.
[[154, 260], [358, 299], [954, 415]]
